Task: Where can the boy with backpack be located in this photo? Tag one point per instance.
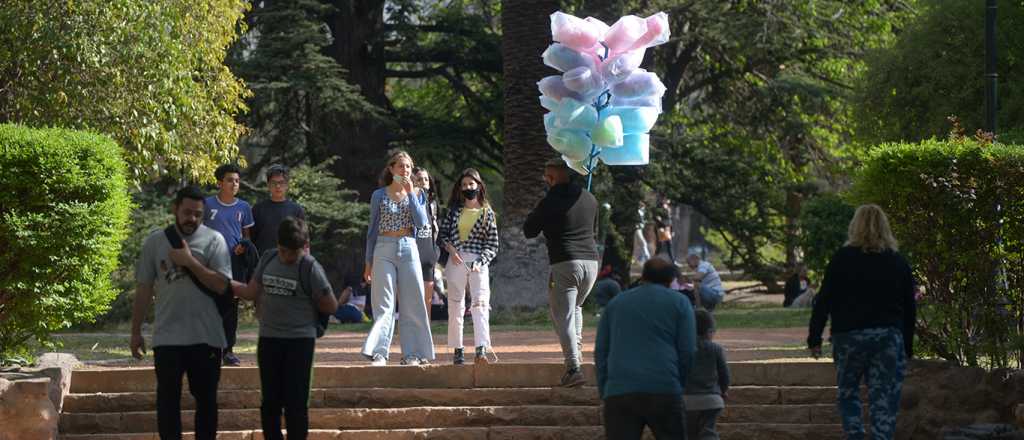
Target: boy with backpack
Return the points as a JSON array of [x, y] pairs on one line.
[[296, 300]]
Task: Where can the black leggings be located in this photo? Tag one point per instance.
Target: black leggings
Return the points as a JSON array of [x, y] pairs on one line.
[[286, 373], [201, 363]]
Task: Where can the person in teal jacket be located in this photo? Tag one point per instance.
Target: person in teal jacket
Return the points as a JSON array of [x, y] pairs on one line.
[[645, 345]]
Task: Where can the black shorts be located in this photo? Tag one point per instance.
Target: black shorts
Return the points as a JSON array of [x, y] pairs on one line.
[[428, 271]]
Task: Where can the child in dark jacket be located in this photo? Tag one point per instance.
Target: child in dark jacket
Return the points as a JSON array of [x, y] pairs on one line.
[[707, 383]]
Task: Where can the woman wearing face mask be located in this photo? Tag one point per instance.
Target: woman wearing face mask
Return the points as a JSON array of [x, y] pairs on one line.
[[426, 237], [393, 266], [470, 235]]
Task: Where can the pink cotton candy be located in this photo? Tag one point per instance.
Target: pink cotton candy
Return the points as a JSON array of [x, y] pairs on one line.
[[601, 27], [553, 87], [625, 33], [573, 31], [657, 32], [640, 83]]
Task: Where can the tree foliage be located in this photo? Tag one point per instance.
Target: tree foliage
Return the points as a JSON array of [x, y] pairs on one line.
[[63, 215], [936, 68], [823, 221], [148, 74], [757, 113], [298, 91], [970, 256]]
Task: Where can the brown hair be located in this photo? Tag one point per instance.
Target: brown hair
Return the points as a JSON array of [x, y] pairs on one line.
[[869, 230], [385, 176], [456, 199], [293, 233]]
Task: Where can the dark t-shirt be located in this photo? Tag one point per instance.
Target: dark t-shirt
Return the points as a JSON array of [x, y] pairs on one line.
[[269, 215]]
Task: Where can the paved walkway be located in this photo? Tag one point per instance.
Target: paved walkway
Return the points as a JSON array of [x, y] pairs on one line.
[[339, 347]]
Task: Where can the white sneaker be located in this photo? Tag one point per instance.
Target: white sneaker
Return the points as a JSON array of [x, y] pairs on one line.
[[414, 361], [378, 361]]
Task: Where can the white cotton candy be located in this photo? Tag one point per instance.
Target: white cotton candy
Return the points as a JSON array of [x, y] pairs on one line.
[[564, 58], [640, 83]]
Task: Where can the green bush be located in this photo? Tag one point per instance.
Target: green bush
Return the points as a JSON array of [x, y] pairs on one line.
[[823, 224], [63, 214], [957, 208]]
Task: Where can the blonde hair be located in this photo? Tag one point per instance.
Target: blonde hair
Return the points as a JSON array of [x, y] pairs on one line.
[[869, 230], [386, 176]]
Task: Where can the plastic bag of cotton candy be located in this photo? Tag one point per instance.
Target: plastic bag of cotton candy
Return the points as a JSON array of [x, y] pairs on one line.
[[602, 104]]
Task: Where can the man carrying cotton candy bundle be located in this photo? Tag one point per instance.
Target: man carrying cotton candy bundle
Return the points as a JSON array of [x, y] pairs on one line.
[[602, 105]]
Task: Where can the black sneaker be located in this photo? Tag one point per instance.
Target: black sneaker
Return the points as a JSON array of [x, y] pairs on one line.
[[572, 378], [231, 360], [459, 358]]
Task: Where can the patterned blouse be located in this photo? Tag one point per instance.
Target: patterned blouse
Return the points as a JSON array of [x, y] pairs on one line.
[[395, 216]]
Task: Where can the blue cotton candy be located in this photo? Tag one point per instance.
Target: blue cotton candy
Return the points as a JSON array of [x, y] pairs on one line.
[[635, 150]]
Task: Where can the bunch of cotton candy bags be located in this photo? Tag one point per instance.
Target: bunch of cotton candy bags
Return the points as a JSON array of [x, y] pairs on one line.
[[595, 58]]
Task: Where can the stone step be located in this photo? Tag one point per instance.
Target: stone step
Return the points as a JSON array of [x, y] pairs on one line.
[[412, 397], [434, 417], [505, 375], [728, 431]]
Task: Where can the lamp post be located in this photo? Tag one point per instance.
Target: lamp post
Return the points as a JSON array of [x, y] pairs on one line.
[[991, 77]]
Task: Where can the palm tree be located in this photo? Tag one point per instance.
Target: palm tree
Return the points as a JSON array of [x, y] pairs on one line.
[[520, 273]]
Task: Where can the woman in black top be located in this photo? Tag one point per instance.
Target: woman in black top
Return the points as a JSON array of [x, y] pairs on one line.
[[868, 293], [426, 237]]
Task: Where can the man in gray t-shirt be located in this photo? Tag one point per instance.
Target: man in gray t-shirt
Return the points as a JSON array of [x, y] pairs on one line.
[[188, 333], [293, 291]]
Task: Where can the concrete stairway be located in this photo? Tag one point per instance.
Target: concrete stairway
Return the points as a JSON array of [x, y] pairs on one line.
[[504, 401]]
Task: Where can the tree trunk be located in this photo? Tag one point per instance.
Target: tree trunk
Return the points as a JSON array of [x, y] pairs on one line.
[[794, 201], [357, 26], [361, 144], [520, 273]]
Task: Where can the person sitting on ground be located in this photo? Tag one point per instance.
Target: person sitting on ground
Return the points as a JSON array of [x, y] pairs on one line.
[[293, 289], [352, 301], [706, 283], [707, 386], [646, 340], [798, 285]]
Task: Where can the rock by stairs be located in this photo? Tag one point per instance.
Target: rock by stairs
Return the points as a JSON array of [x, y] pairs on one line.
[[769, 401]]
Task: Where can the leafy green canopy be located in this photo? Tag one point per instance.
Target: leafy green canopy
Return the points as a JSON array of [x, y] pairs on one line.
[[149, 74], [298, 91], [63, 214], [936, 69], [956, 208], [757, 113]]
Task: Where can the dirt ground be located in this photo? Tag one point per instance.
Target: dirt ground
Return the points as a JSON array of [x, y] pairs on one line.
[[342, 348]]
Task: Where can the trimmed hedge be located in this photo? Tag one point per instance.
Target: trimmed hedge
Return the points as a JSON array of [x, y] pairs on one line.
[[957, 208], [824, 221], [63, 215]]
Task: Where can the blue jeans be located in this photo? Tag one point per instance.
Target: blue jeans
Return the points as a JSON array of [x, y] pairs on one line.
[[349, 314], [875, 355], [397, 275], [710, 298]]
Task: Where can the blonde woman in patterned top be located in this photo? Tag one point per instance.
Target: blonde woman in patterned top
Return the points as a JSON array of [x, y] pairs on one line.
[[470, 235], [393, 266]]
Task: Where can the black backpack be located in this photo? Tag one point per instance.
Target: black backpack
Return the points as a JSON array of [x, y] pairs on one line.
[[305, 283], [223, 300]]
